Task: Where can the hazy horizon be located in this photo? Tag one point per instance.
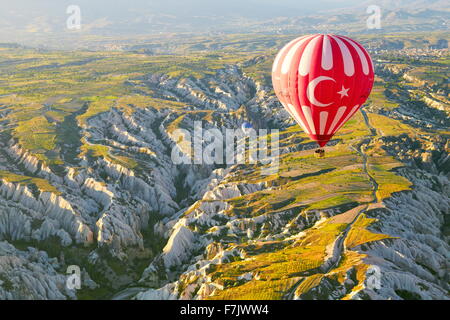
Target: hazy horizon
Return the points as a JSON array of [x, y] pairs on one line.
[[35, 23]]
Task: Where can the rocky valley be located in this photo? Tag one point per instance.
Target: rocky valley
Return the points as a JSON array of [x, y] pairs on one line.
[[87, 178]]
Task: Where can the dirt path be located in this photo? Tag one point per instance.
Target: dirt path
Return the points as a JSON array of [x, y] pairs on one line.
[[338, 246], [339, 249], [373, 133]]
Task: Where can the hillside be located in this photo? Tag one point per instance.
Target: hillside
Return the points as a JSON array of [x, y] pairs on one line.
[[165, 23]]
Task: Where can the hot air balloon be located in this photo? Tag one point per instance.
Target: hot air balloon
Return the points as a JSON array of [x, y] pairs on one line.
[[322, 81], [246, 127]]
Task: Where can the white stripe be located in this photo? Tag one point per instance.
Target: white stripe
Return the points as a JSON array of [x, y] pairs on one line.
[[349, 66], [323, 121], [305, 61], [327, 54], [297, 118], [351, 113], [309, 119], [286, 66], [370, 61], [280, 54], [362, 56], [338, 117]]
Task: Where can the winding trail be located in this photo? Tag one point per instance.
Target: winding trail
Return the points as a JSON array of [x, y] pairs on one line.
[[338, 245], [373, 133]]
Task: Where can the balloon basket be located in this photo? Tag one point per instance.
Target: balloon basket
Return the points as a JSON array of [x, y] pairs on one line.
[[319, 153]]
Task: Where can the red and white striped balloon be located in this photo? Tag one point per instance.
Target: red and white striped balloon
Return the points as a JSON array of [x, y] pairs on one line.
[[322, 81]]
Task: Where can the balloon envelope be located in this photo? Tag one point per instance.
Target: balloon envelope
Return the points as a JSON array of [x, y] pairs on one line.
[[246, 126], [322, 81]]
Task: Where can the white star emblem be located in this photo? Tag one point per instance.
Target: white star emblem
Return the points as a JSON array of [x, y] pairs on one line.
[[344, 92]]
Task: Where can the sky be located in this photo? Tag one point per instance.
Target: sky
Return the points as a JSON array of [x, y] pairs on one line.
[[22, 20], [115, 17], [115, 9], [18, 12]]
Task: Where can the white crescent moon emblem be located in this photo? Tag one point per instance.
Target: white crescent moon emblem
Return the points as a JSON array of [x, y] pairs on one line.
[[311, 89]]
